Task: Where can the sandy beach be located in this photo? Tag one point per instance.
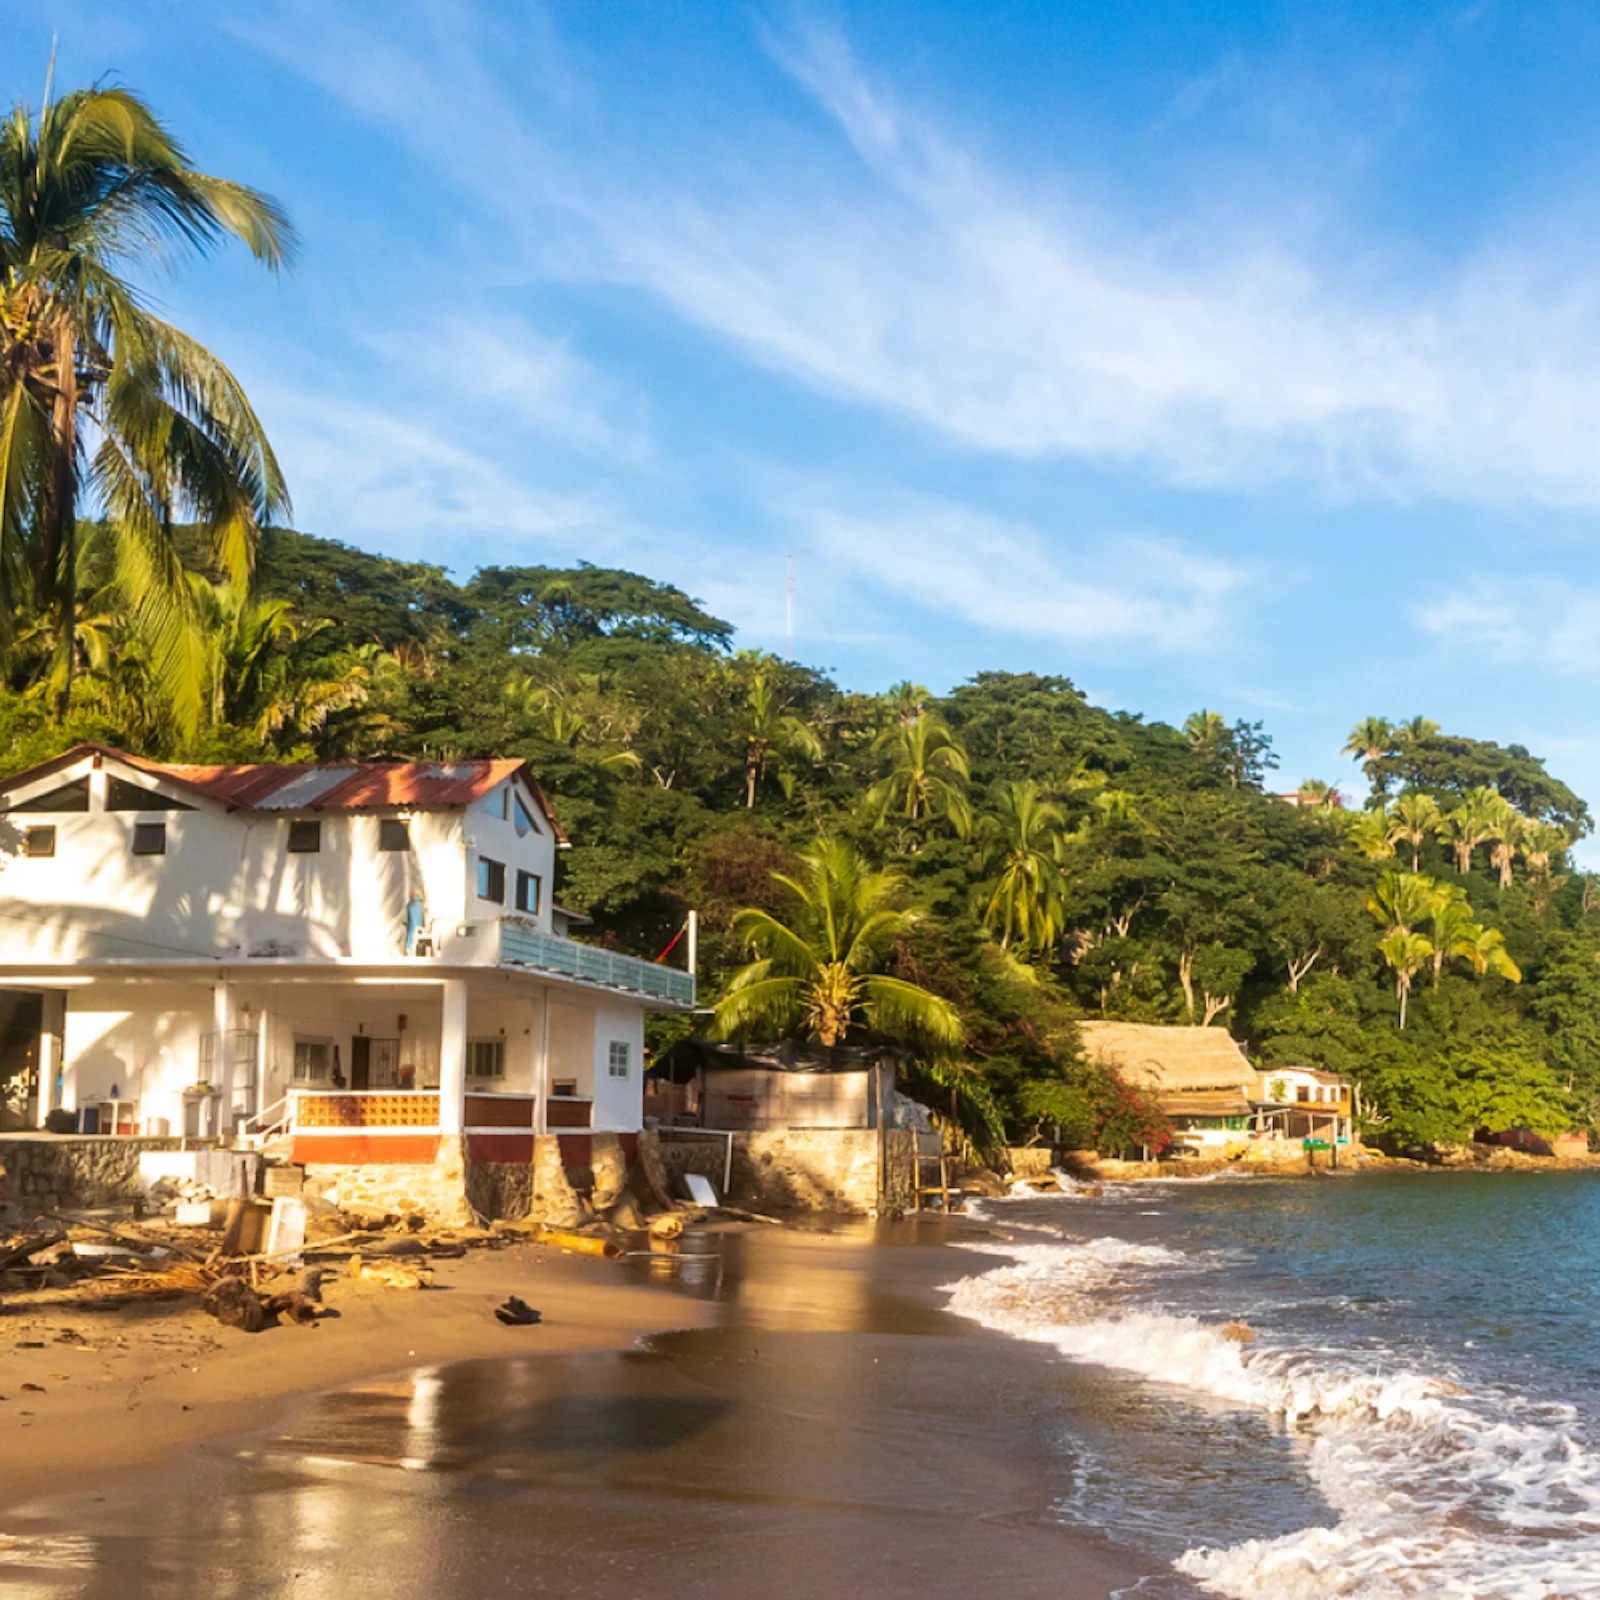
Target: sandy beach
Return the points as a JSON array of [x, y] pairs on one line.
[[129, 1387], [816, 1425]]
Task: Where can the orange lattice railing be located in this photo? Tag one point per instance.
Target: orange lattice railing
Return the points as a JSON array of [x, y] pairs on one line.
[[416, 1109]]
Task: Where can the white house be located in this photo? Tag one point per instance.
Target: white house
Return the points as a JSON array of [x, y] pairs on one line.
[[363, 959]]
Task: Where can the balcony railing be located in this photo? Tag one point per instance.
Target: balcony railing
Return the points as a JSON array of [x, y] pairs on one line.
[[521, 946]]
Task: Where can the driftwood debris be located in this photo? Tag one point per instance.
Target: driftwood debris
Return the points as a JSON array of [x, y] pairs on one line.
[[517, 1313], [29, 1246]]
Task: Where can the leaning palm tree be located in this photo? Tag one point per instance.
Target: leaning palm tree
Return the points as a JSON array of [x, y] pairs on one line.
[[927, 774], [1405, 954], [104, 407], [1416, 819], [1452, 930], [1021, 844], [821, 972], [1489, 954]]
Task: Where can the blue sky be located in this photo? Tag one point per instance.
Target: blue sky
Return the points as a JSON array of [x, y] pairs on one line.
[[1213, 355]]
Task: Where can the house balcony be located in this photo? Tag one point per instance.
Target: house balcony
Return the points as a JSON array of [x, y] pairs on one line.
[[517, 942]]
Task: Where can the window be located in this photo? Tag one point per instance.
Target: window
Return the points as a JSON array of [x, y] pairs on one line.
[[521, 818], [528, 887], [1303, 1094], [620, 1052], [486, 1058], [305, 836], [124, 796], [311, 1060], [491, 880], [149, 838], [39, 841], [72, 796], [394, 833]]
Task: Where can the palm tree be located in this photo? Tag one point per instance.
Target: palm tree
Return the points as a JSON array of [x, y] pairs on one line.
[[1405, 954], [1489, 954], [821, 972], [1505, 839], [1402, 900], [104, 403], [1417, 731], [1452, 930], [1207, 733], [1471, 823], [1542, 842], [770, 728], [1369, 742], [1372, 833], [1416, 818], [927, 773], [1021, 844]]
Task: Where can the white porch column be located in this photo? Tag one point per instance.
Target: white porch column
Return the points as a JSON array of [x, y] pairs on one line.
[[49, 1065], [223, 1022], [541, 1081], [453, 1057]]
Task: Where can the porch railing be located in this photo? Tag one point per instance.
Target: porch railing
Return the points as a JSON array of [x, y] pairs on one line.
[[522, 946]]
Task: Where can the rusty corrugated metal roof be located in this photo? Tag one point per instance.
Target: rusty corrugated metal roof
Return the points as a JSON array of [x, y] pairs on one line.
[[331, 786]]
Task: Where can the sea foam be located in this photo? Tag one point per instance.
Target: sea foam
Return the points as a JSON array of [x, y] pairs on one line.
[[1437, 1491]]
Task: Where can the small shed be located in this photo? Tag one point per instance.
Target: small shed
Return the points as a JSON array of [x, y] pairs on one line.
[[697, 1084]]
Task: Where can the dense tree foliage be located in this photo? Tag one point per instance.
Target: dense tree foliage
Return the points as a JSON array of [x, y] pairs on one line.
[[1065, 861]]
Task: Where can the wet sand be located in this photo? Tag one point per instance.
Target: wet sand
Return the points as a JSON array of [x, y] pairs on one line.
[[128, 1387], [819, 1427]]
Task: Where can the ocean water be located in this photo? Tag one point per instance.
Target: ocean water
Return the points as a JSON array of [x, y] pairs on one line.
[[1363, 1387]]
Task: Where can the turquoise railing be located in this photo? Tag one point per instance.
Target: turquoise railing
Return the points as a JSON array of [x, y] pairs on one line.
[[524, 947]]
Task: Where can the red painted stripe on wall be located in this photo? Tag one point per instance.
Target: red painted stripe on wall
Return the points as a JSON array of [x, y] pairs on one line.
[[344, 1148], [506, 1147]]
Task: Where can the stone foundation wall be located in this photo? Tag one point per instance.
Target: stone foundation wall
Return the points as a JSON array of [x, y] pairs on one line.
[[55, 1170], [437, 1190], [801, 1169], [500, 1188]]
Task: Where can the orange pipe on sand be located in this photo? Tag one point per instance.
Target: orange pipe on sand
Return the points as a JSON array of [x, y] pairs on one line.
[[585, 1244]]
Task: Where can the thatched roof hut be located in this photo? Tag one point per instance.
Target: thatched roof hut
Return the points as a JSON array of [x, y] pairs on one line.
[[1201, 1071]]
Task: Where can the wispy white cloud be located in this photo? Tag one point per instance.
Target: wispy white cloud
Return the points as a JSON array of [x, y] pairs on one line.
[[1007, 576], [377, 477], [1008, 313], [1521, 620], [505, 368]]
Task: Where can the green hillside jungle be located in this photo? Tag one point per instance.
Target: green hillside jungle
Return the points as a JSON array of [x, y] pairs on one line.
[[967, 874], [1066, 861]]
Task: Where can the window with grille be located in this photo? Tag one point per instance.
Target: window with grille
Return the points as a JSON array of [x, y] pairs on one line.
[[394, 833], [305, 836], [621, 1054], [486, 1058], [491, 880]]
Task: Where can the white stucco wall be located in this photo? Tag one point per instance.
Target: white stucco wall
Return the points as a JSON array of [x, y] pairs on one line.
[[229, 886], [618, 1102]]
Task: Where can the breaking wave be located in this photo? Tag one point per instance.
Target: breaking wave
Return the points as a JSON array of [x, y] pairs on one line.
[[1436, 1490]]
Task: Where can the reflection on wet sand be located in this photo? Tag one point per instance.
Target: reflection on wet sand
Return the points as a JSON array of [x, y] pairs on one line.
[[832, 1435]]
